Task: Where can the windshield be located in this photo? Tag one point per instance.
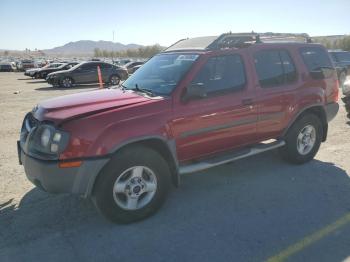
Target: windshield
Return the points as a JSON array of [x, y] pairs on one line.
[[161, 74]]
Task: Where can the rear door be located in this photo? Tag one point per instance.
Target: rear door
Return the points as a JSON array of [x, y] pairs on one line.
[[225, 118], [277, 78]]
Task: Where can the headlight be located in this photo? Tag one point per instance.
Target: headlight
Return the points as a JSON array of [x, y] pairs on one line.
[[46, 139]]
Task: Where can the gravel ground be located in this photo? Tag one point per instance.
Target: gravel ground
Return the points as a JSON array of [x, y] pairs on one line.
[[255, 209]]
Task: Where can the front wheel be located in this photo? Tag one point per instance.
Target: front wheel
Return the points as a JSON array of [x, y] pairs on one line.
[[303, 140], [132, 186], [66, 82]]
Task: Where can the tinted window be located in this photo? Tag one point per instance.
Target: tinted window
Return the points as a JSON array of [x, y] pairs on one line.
[[274, 68], [269, 68], [290, 73], [317, 61], [105, 66], [224, 73], [87, 67]]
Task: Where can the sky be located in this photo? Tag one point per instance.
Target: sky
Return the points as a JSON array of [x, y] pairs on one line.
[[44, 24]]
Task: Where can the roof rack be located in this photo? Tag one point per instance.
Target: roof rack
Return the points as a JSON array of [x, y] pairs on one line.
[[235, 40]]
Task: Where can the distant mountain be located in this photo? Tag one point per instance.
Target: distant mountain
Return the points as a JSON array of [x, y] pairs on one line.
[[87, 47]]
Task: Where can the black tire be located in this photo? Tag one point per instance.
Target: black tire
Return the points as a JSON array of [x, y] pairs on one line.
[[114, 80], [290, 151], [66, 82], [103, 194]]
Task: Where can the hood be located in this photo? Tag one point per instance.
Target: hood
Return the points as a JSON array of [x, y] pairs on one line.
[[67, 107]]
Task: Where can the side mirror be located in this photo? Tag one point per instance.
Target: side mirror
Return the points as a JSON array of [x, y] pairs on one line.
[[194, 91]]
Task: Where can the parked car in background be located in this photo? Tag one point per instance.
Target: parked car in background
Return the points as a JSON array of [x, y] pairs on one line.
[[346, 98], [131, 67], [341, 59], [26, 64], [342, 74], [86, 73], [33, 72], [121, 62], [7, 67], [200, 103], [43, 72]]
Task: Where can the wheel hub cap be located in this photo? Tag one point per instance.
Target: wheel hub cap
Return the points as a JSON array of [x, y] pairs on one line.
[[306, 140], [135, 188]]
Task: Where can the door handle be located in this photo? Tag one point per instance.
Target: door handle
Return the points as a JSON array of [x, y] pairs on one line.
[[247, 102]]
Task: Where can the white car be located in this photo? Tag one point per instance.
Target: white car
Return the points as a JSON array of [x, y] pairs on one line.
[[346, 87]]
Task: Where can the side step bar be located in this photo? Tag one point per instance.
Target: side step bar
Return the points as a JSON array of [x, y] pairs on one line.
[[223, 159]]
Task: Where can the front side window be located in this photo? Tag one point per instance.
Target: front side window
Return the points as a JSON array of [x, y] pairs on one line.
[[290, 73], [89, 67], [222, 73], [161, 74], [274, 68]]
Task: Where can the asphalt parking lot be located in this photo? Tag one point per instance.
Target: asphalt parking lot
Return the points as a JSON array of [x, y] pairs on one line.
[[255, 209]]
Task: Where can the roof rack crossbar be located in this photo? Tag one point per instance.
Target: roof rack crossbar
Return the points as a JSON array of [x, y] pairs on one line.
[[237, 40], [230, 40]]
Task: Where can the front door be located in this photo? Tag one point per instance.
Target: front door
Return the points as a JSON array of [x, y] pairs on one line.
[[224, 119]]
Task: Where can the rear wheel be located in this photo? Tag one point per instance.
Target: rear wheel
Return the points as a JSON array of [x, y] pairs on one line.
[[303, 140], [132, 186], [66, 82]]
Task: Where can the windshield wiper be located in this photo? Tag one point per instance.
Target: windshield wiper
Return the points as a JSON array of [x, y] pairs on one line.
[[144, 90]]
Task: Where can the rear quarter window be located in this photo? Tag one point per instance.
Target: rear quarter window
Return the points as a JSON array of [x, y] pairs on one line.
[[317, 62]]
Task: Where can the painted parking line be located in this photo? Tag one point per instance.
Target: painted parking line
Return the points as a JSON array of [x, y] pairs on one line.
[[310, 239]]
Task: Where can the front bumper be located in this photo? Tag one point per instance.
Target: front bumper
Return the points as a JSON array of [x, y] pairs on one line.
[[48, 176], [52, 81]]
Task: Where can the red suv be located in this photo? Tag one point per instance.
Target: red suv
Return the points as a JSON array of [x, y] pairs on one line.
[[200, 103]]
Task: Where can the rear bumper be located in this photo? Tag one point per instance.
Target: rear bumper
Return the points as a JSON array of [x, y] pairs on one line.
[[48, 176], [331, 111]]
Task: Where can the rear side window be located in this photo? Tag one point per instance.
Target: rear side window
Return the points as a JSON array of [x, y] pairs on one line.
[[274, 68], [89, 67], [105, 66], [317, 62], [222, 73]]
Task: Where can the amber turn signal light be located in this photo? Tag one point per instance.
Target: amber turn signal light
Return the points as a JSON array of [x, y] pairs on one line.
[[70, 164]]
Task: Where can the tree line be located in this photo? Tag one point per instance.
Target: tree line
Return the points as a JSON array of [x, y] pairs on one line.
[[341, 43], [141, 52]]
